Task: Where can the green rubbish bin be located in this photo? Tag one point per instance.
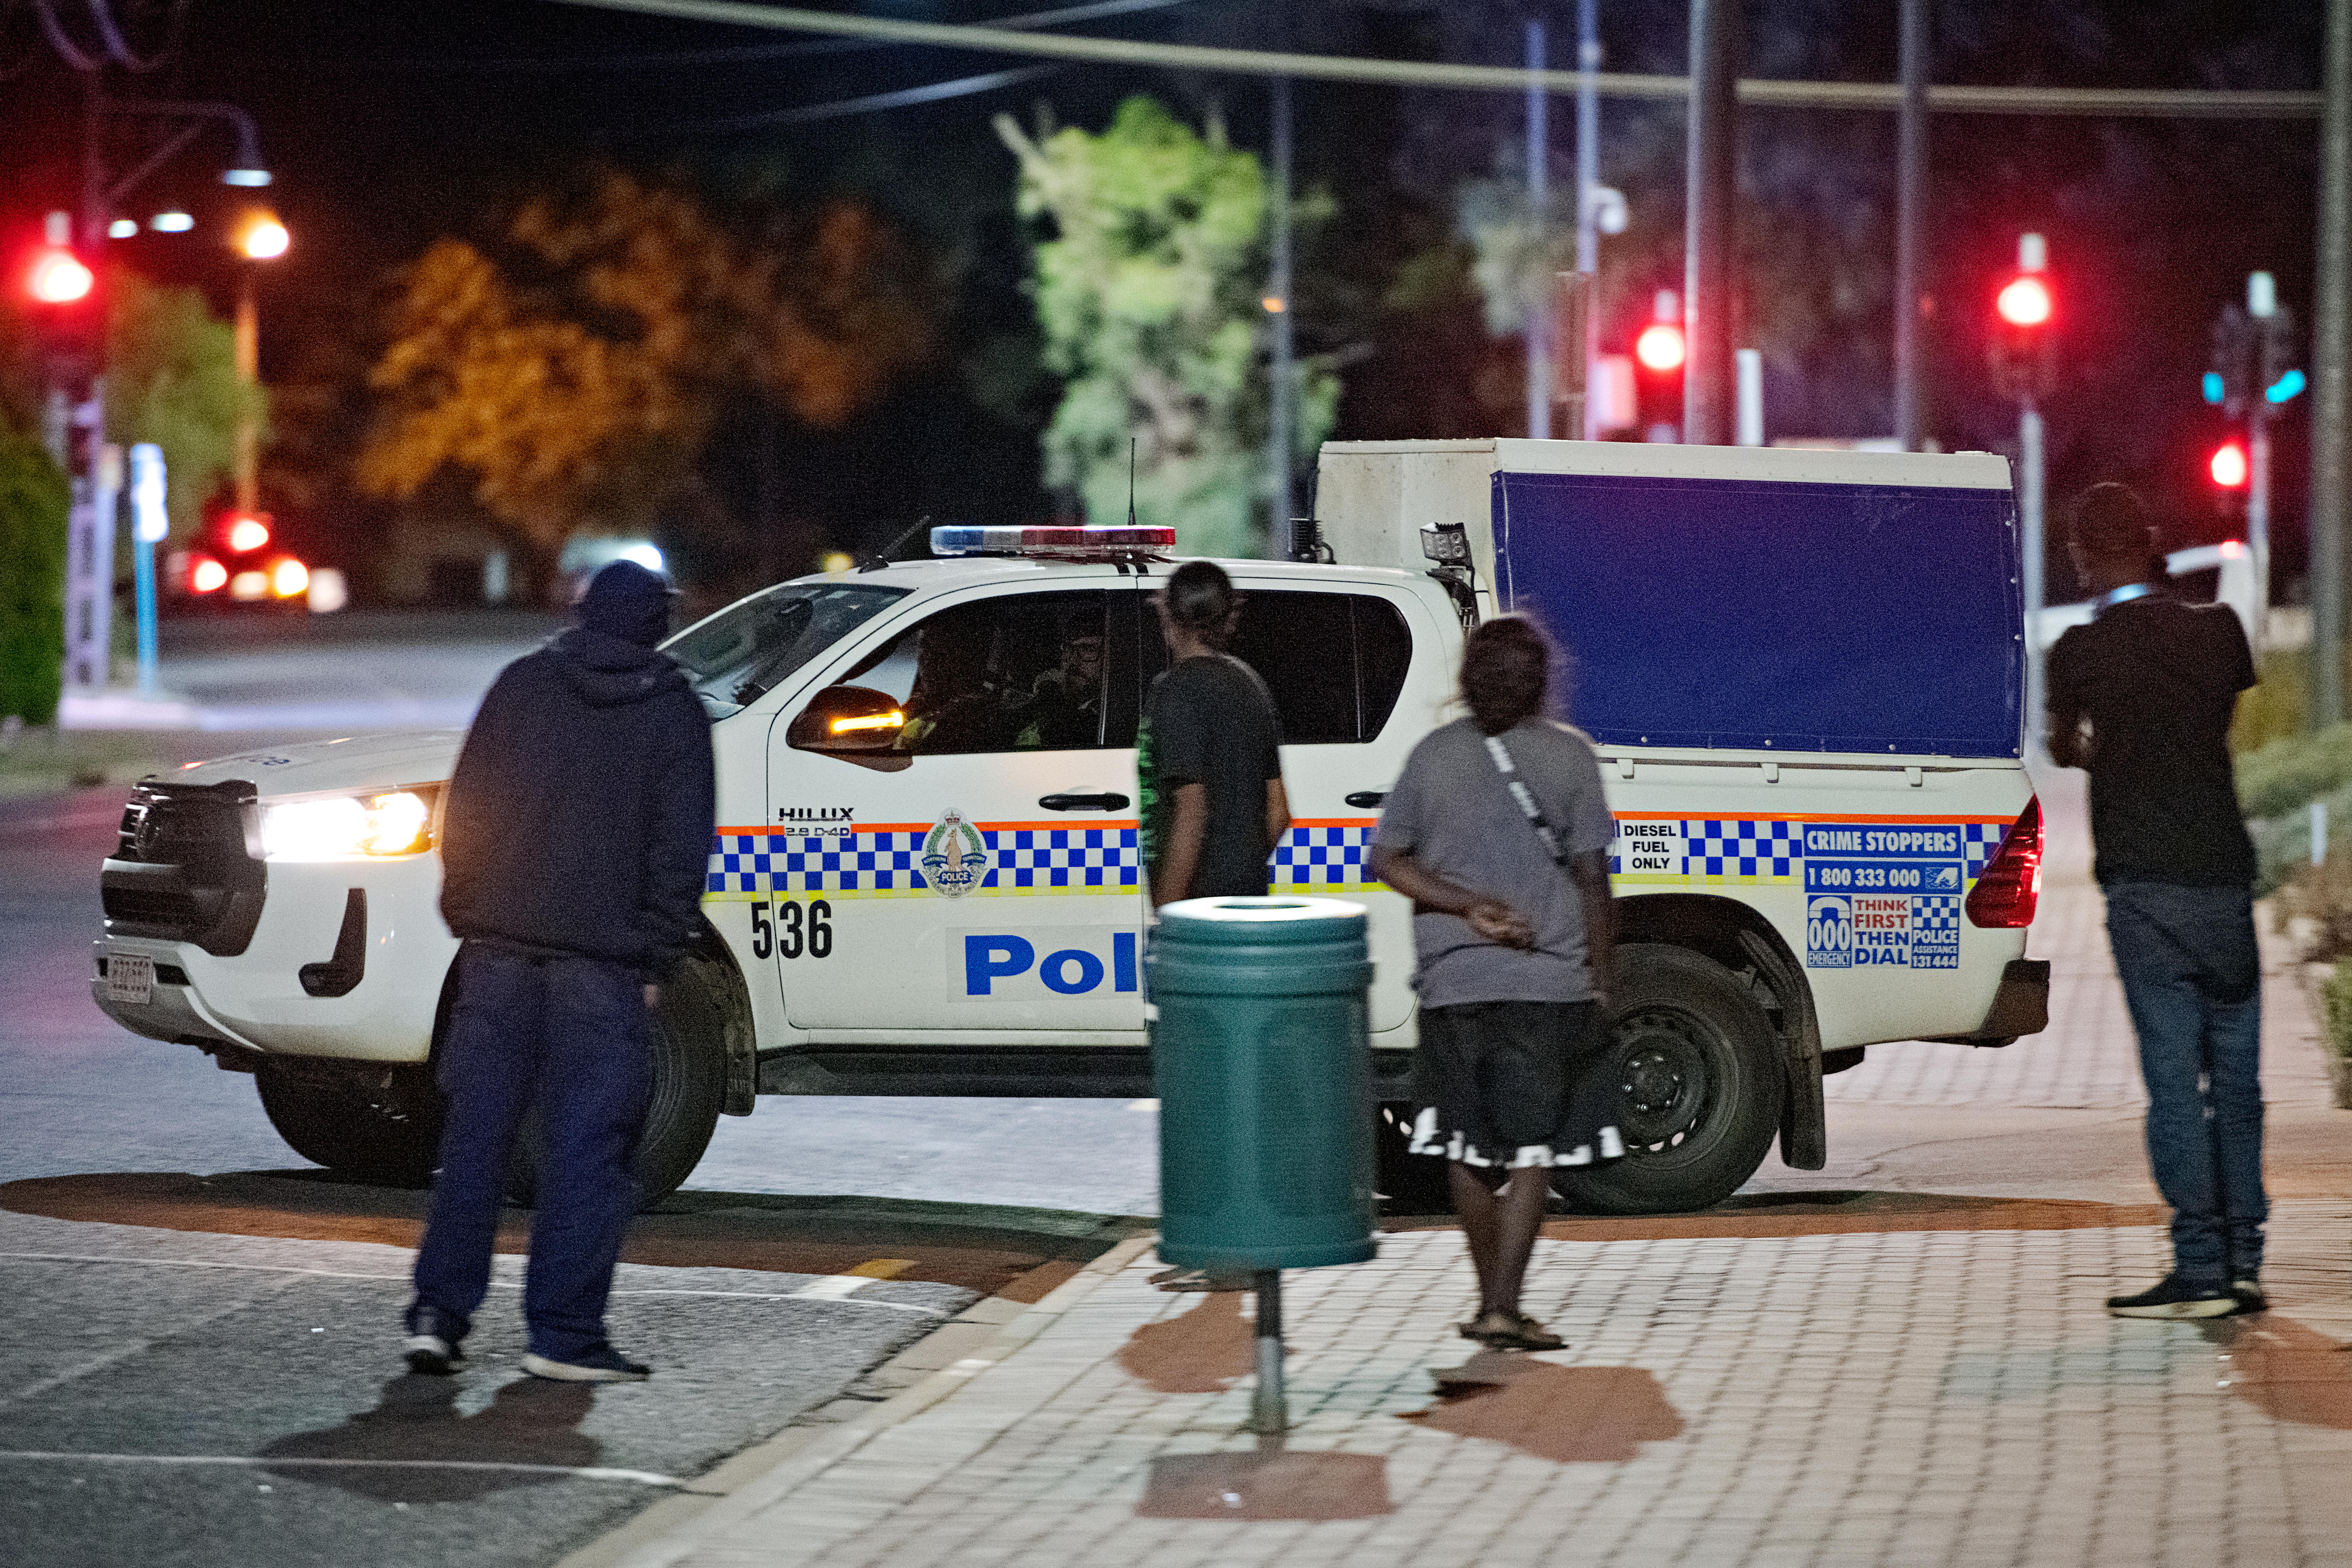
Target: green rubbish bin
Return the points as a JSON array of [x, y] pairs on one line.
[[1259, 1054]]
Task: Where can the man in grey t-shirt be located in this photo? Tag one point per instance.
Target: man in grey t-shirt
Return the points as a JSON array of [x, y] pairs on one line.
[[1498, 831]]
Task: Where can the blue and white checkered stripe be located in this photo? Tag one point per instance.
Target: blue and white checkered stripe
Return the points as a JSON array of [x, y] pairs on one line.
[[1750, 851], [1934, 912], [1739, 851], [1324, 859], [868, 865]]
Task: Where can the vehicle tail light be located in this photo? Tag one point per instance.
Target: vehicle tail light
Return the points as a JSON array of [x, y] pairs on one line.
[[2010, 885], [207, 575]]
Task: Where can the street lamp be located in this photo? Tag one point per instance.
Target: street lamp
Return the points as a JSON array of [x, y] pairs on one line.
[[261, 237]]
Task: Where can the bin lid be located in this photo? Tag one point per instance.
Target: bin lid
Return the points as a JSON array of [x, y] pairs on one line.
[[1260, 921]]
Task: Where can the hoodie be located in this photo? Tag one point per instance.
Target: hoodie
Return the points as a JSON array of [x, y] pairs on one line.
[[578, 818]]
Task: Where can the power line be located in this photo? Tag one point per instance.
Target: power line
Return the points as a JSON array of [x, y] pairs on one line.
[[749, 54], [904, 98], [2129, 102]]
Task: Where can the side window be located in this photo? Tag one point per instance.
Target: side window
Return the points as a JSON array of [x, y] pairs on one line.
[[1335, 662], [1024, 672]]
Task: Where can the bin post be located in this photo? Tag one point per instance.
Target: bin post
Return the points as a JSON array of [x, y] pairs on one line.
[[1269, 1408]]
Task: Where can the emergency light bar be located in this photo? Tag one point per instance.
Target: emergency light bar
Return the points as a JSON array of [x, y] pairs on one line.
[[1064, 543]]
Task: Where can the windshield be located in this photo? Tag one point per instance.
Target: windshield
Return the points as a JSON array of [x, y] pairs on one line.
[[738, 657]]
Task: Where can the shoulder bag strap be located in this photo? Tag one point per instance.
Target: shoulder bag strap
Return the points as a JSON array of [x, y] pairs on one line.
[[1527, 800]]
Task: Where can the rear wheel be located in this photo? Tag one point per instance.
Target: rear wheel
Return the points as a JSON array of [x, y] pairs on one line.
[[689, 1085], [1699, 1067], [378, 1123]]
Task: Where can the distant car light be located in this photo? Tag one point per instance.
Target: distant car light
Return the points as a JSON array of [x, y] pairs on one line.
[[329, 591], [247, 587], [172, 222], [207, 575], [247, 534], [397, 823], [264, 239], [289, 578]]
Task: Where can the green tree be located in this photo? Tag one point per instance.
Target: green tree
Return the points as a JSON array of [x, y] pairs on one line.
[[575, 371], [1148, 293], [171, 378], [32, 578]]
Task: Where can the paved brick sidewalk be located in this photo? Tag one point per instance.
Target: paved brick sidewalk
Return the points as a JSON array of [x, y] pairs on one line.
[[2087, 1058], [1883, 1396], [1913, 1381]]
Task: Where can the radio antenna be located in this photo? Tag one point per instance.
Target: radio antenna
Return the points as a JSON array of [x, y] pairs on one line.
[[1130, 481]]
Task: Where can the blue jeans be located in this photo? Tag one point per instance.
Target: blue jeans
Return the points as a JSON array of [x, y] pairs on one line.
[[2192, 978], [569, 1038]]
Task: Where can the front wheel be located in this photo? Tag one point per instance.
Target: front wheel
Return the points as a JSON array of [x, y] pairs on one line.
[[1700, 1080], [378, 1123], [689, 1089]]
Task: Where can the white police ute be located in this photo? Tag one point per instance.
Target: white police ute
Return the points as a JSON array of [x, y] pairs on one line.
[[1803, 671]]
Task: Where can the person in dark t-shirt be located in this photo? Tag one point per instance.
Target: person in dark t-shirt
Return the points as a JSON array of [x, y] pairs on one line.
[[2142, 698], [1208, 755]]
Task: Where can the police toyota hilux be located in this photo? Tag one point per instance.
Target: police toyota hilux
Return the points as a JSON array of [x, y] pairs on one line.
[[1803, 672]]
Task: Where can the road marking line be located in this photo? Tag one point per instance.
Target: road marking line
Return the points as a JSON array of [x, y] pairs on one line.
[[883, 1268], [827, 1288], [1143, 1105], [582, 1472]]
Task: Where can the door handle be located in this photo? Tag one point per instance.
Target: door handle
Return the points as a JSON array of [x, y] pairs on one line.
[[1365, 799], [1084, 803]]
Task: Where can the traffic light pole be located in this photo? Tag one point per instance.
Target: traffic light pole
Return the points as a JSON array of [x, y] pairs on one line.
[[2258, 515], [2331, 345], [1711, 220], [2031, 552]]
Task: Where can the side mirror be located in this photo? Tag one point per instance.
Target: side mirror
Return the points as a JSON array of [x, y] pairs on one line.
[[856, 723]]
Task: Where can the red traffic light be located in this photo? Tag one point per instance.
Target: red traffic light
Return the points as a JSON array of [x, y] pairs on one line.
[[59, 278], [2024, 302], [2228, 465], [1659, 346]]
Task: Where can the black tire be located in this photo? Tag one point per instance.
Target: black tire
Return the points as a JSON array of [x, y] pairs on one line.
[[1413, 1184], [1699, 1065], [689, 1086], [380, 1124]]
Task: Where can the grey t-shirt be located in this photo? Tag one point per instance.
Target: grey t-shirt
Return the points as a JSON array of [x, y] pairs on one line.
[[1451, 808]]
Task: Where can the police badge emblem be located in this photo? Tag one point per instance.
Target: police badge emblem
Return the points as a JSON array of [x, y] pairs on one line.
[[955, 856]]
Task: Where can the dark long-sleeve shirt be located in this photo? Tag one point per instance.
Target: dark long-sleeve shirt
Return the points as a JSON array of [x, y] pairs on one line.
[[579, 817]]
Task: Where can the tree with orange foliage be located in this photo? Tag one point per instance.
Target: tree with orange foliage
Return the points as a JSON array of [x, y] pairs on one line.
[[576, 376]]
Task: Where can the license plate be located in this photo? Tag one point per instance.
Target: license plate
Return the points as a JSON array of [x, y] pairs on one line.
[[130, 977]]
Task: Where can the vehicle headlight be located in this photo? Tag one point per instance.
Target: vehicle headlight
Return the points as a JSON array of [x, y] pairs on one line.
[[399, 822]]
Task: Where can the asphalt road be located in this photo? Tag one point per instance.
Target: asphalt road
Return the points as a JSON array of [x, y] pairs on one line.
[[201, 1332]]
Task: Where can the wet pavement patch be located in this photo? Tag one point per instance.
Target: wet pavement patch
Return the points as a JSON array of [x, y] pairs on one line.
[[1571, 1415], [1267, 1485], [1204, 1351], [2288, 1372]]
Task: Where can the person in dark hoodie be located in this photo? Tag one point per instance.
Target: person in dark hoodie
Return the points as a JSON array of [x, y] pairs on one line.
[[574, 845]]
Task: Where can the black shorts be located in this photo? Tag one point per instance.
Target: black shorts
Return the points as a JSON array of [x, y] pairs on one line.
[[1513, 1084]]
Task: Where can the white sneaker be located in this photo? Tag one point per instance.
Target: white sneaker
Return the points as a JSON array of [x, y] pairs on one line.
[[604, 1364]]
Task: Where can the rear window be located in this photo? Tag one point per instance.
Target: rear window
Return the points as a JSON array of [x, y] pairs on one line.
[[1334, 662], [737, 655]]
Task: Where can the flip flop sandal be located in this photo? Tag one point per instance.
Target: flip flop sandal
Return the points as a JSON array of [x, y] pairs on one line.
[[1527, 1334], [1494, 1329]]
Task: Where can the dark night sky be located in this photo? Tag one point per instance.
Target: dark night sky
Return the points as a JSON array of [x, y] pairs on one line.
[[388, 125]]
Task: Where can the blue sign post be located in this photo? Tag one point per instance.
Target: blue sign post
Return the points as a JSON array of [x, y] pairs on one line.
[[150, 525]]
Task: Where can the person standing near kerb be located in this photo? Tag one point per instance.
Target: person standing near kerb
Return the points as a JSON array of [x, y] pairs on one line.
[[1209, 771], [1498, 831], [1208, 759], [2142, 698], [574, 842]]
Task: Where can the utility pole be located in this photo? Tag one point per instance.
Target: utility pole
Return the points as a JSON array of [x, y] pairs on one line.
[[1711, 225], [1910, 222], [80, 400], [1277, 305], [1588, 184], [2331, 345], [1540, 327], [2272, 327]]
